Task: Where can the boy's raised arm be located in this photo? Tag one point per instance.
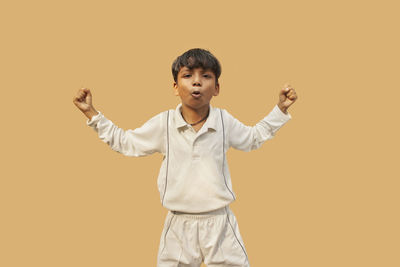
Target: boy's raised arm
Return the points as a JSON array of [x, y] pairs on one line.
[[142, 141], [248, 138]]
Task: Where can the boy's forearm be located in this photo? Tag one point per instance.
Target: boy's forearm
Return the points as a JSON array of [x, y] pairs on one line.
[[90, 113]]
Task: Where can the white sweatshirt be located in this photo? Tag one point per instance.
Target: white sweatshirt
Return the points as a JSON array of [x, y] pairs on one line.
[[194, 175]]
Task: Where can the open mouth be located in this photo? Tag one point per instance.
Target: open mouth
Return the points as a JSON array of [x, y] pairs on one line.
[[196, 94]]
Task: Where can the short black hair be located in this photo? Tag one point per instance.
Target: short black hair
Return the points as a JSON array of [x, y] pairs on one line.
[[197, 58]]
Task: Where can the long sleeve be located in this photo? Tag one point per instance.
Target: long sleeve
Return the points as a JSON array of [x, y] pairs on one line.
[[247, 138], [141, 141]]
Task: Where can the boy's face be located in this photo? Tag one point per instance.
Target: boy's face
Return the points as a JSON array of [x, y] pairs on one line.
[[196, 87]]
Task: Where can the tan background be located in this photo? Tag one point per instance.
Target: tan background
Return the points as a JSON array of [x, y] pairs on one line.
[[323, 192]]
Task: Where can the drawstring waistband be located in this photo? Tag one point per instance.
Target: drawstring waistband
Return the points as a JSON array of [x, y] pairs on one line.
[[201, 215]]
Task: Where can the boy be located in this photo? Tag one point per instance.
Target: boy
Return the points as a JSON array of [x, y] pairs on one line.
[[194, 180]]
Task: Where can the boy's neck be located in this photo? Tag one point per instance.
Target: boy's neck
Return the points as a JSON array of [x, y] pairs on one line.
[[191, 115]]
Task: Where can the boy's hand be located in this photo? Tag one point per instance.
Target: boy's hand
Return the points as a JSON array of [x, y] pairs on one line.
[[83, 100], [287, 97]]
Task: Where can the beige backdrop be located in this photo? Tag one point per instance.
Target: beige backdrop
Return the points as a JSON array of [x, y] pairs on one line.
[[323, 192]]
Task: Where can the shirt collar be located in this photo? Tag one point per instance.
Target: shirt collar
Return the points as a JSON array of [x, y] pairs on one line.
[[211, 121]]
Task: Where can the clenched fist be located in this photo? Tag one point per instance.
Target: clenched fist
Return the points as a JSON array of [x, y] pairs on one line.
[[83, 101], [287, 96]]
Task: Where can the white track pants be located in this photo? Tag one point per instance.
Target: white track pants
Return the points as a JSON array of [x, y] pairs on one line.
[[210, 237]]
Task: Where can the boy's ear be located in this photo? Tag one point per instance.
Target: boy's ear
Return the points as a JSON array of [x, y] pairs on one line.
[[175, 85], [216, 92]]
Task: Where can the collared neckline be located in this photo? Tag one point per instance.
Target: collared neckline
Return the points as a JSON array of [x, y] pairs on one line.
[[211, 121]]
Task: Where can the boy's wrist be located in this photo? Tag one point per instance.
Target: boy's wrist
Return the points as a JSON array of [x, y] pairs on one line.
[[90, 113], [283, 109]]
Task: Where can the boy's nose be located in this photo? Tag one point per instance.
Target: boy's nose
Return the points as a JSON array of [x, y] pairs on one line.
[[196, 80], [196, 83]]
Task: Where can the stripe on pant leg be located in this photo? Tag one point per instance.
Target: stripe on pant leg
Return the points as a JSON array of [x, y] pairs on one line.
[[237, 239]]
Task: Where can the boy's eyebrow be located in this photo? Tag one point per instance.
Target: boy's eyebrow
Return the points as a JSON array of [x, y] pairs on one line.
[[203, 70]]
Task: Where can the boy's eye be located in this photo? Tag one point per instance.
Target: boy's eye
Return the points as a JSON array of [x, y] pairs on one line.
[[188, 75]]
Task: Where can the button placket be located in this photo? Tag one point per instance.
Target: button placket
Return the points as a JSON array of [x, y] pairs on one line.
[[195, 150]]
